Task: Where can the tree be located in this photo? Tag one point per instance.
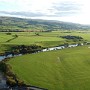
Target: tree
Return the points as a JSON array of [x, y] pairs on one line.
[[37, 34], [66, 45]]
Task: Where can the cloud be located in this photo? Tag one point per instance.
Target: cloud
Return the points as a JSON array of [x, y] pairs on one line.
[[66, 8], [43, 6], [69, 10], [27, 14], [52, 9]]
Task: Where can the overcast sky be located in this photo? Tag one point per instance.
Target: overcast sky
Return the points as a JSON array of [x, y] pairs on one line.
[[64, 10]]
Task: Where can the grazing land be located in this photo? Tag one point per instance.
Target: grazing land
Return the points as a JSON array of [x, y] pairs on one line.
[[67, 69], [44, 39]]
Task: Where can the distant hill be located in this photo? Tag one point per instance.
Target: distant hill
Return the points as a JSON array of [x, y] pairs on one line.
[[20, 24]]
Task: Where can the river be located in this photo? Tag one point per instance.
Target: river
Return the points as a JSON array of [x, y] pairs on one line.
[[2, 81], [10, 55], [60, 47], [43, 50]]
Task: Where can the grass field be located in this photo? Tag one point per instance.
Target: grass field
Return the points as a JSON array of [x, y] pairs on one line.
[[45, 39], [34, 39], [4, 37], [67, 69], [30, 38]]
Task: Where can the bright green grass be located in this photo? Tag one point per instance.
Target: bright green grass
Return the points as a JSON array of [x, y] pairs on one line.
[[4, 37], [46, 39], [34, 39], [67, 69], [84, 34]]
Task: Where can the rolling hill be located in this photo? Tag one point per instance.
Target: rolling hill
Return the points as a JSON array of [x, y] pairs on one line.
[[21, 24]]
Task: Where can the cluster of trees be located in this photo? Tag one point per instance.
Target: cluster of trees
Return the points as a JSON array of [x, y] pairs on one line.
[[11, 78], [23, 49], [74, 38], [2, 66], [10, 30], [8, 33]]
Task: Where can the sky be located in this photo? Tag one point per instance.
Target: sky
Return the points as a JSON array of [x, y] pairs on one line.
[[76, 11]]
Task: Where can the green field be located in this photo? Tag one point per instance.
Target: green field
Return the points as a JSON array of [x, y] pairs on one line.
[[67, 69], [46, 39], [30, 38]]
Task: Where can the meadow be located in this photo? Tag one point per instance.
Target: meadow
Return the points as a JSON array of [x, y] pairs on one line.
[[67, 69], [45, 39]]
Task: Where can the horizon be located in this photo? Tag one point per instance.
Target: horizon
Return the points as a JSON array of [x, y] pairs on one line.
[[75, 11], [43, 20]]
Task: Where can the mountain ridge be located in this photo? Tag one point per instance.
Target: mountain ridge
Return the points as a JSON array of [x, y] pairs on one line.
[[20, 24]]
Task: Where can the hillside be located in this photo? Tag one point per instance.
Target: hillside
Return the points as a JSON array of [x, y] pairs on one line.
[[19, 24]]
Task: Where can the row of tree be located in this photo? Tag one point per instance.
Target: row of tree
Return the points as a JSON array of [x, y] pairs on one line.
[[23, 49], [74, 38], [71, 37]]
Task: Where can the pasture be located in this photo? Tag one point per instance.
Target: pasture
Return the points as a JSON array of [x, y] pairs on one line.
[[45, 39], [67, 69]]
